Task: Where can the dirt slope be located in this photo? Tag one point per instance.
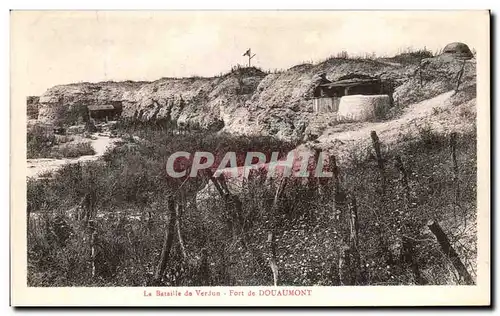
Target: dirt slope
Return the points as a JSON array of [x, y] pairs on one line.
[[445, 113], [247, 100]]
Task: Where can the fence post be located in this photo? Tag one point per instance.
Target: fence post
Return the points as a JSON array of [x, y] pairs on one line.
[[167, 243], [349, 260], [178, 217], [382, 206], [453, 147], [93, 244], [339, 202], [408, 244], [447, 248], [459, 76], [339, 194], [271, 238], [380, 160], [353, 252]]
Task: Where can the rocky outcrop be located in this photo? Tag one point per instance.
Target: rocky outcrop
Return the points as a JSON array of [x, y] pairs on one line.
[[244, 101]]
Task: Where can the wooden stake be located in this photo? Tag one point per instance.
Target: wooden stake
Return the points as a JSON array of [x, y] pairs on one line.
[[93, 251], [447, 248], [404, 182], [408, 245], [167, 243], [178, 211], [459, 76], [352, 256], [380, 160], [381, 207], [453, 147], [339, 195], [271, 240], [353, 223]]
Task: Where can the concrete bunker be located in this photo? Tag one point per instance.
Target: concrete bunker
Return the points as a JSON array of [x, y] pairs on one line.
[[105, 112], [360, 91], [458, 50]]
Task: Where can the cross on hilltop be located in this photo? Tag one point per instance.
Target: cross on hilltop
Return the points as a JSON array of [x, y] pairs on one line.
[[250, 56]]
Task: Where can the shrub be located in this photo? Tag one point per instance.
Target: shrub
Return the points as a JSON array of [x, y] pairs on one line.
[[72, 150], [39, 141], [412, 55]]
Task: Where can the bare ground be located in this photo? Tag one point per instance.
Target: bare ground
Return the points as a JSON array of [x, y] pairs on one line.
[[40, 166]]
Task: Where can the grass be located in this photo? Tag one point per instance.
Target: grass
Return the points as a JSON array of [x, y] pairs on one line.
[[43, 143], [404, 56], [130, 190], [39, 142], [72, 150], [412, 56]]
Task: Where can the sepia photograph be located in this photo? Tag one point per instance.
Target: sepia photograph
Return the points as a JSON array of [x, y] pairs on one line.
[[238, 155]]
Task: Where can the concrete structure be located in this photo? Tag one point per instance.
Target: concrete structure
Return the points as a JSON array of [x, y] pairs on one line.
[[458, 50], [325, 104], [104, 111], [363, 107], [328, 95]]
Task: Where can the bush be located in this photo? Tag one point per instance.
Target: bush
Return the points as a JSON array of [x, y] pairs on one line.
[[42, 143], [39, 141], [412, 56], [72, 150]]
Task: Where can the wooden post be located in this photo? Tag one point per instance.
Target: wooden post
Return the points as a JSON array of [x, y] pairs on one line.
[[232, 204], [340, 269], [250, 59], [319, 187], [453, 147], [167, 243], [204, 270], [233, 208], [178, 216], [339, 202], [271, 238], [381, 207], [380, 160], [93, 251], [353, 223], [250, 56], [404, 182], [335, 171], [339, 194], [408, 244], [447, 248], [352, 256], [459, 76], [420, 75]]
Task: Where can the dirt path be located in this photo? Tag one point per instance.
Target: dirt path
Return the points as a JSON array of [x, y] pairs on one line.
[[39, 166], [439, 113]]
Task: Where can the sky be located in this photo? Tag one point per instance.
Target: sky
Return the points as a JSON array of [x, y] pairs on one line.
[[58, 47]]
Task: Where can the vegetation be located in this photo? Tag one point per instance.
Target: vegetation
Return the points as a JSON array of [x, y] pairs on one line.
[[39, 142], [223, 240], [410, 55], [368, 225], [43, 143], [406, 56], [72, 150]]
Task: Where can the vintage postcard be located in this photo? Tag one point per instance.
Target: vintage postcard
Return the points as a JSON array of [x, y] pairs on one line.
[[250, 158]]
